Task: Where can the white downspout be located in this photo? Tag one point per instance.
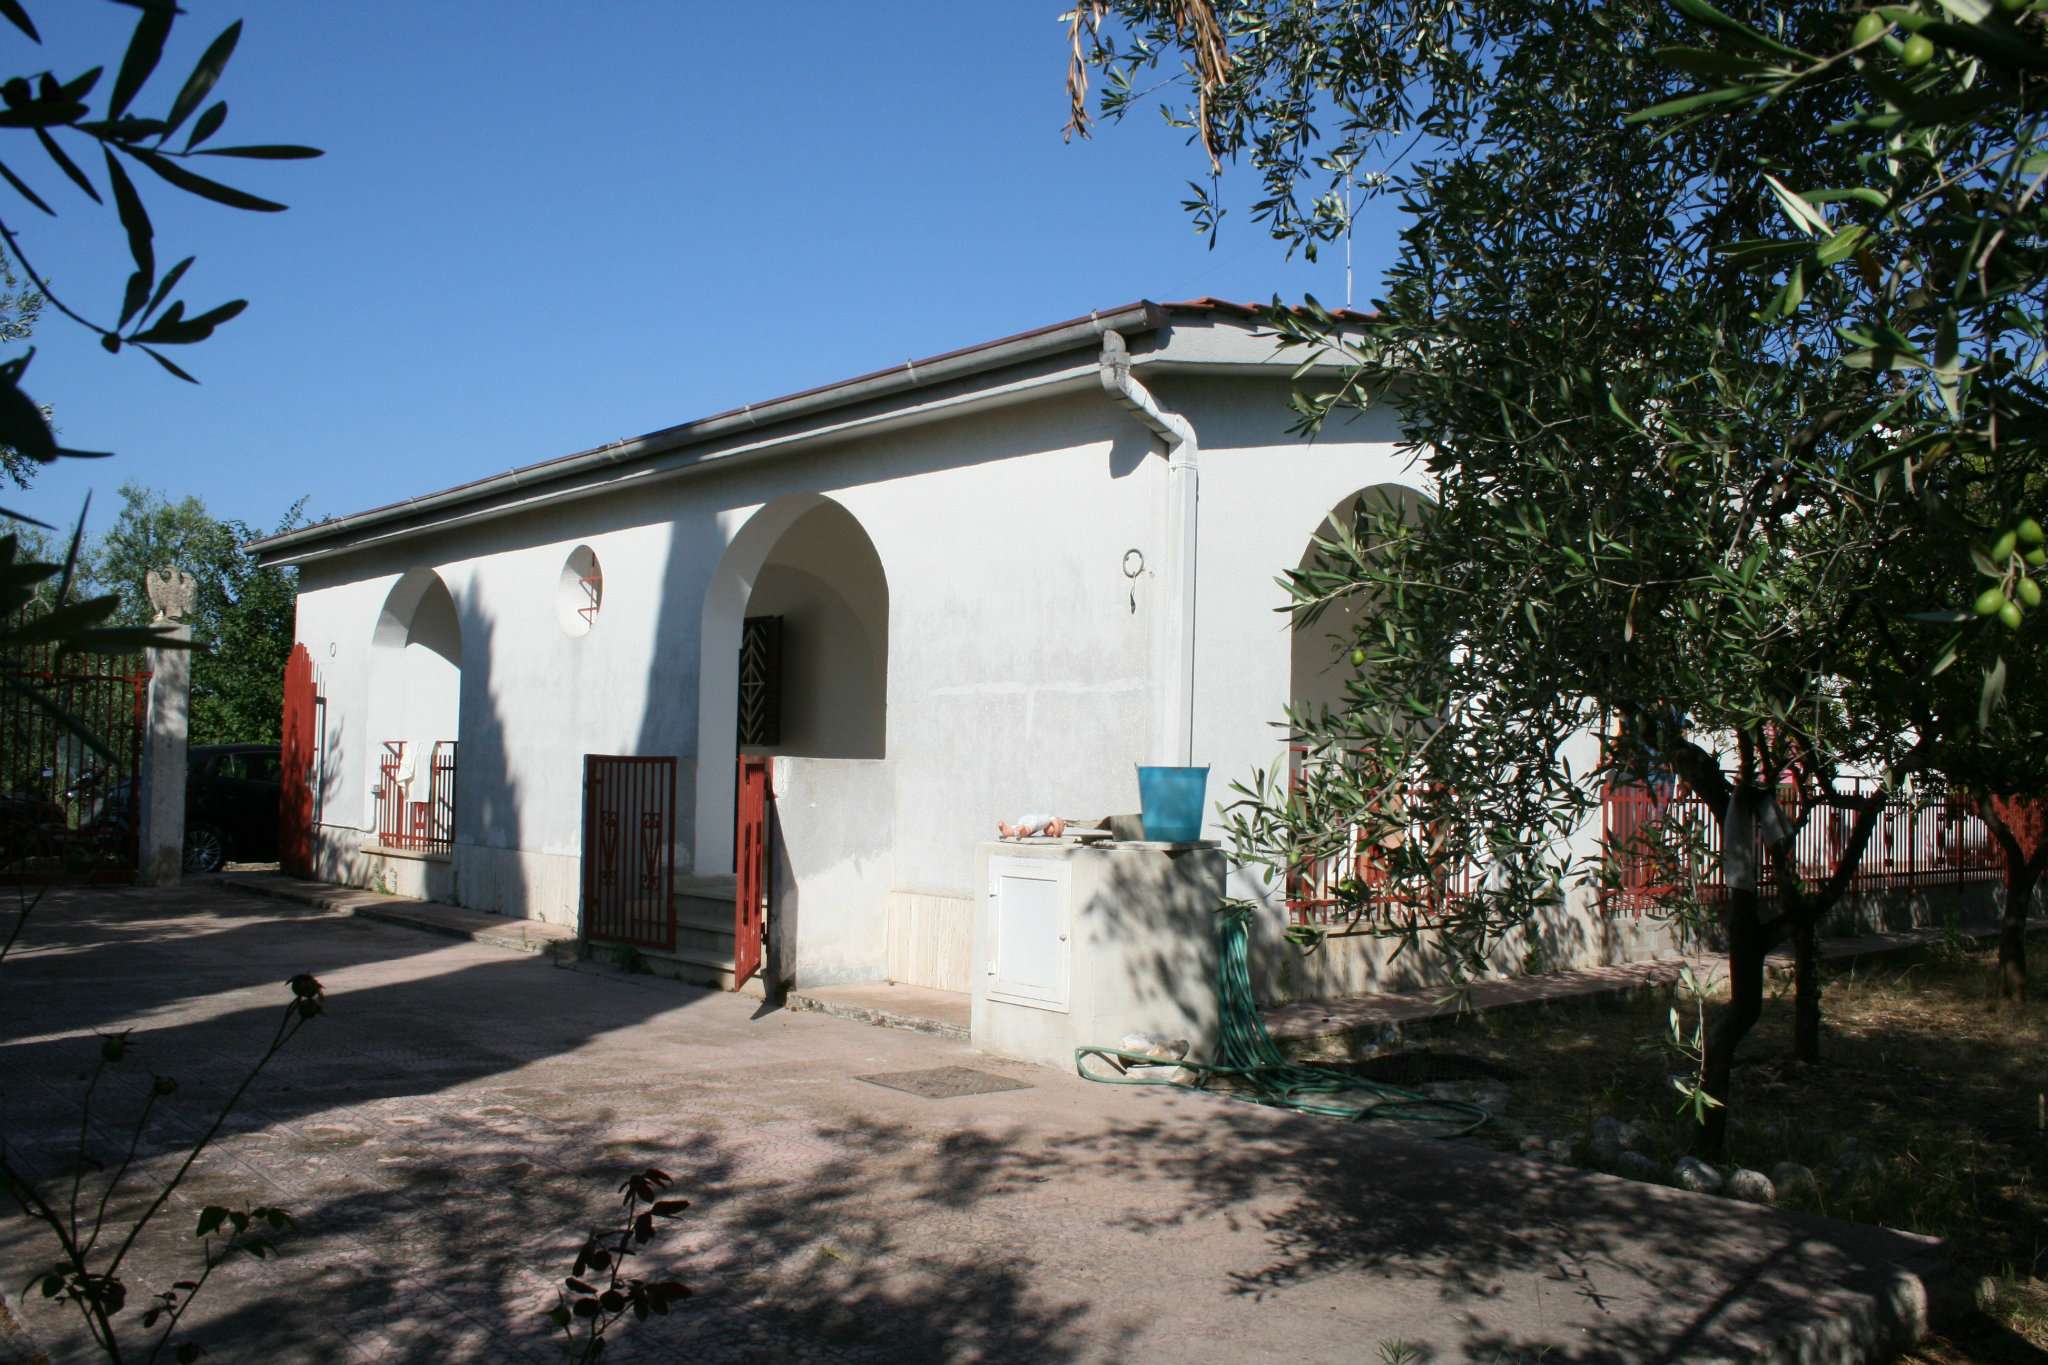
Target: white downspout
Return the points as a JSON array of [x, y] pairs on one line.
[[1173, 740]]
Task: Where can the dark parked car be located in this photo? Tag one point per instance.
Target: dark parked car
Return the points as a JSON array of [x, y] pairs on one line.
[[231, 793]]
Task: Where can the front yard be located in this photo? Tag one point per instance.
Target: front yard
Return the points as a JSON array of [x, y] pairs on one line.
[[1928, 1112]]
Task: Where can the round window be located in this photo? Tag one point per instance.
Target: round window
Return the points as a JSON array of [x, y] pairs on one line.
[[581, 591]]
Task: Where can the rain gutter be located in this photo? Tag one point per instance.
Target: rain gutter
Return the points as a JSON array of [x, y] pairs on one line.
[[601, 467], [1174, 716]]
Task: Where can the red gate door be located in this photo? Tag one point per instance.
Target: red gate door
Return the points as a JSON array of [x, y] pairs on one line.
[[629, 840], [750, 868], [295, 796]]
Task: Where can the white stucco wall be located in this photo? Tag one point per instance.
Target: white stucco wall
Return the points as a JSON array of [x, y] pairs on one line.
[[1264, 493], [533, 700], [1020, 667], [1016, 673]]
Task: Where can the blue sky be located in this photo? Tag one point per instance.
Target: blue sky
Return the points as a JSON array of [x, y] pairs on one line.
[[541, 226]]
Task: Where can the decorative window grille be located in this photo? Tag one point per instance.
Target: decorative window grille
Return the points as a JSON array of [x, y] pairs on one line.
[[761, 680]]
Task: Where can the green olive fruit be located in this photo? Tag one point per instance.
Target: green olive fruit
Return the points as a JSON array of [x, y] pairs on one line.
[[2030, 533], [2037, 556], [1918, 51], [2028, 591], [2010, 614], [2014, 6], [1868, 27], [1358, 658], [2001, 548], [1990, 601]]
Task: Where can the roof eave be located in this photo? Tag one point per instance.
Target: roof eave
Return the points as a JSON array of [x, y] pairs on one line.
[[1142, 316]]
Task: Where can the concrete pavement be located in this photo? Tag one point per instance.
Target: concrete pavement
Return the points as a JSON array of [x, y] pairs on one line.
[[463, 1113]]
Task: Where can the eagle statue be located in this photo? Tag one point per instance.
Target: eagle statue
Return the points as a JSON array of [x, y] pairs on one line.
[[171, 592]]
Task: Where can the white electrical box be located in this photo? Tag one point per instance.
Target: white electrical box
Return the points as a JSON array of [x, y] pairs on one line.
[[1031, 923]]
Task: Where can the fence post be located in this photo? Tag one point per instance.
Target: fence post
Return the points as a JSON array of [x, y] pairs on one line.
[[160, 854]]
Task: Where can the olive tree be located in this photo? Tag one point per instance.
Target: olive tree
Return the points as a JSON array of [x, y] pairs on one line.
[[1921, 260], [1652, 514]]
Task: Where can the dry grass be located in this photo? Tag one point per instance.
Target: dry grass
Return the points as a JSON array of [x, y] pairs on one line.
[[1928, 1111]]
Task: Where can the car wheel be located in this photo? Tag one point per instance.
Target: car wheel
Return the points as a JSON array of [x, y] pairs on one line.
[[205, 849]]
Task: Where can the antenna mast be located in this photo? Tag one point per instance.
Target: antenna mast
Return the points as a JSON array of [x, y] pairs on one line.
[[1347, 236]]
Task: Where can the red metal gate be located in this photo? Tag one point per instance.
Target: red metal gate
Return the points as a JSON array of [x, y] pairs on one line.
[[69, 810], [750, 867], [300, 748], [629, 837]]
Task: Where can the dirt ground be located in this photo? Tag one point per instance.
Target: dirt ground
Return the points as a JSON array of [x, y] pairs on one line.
[[1928, 1111]]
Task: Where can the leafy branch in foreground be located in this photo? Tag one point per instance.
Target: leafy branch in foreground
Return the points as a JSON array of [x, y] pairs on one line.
[[56, 111], [582, 1302], [87, 1271], [1905, 245]]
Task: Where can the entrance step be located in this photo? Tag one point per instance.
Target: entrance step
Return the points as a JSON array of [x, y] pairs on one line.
[[688, 963], [701, 912], [499, 931], [711, 943], [889, 1004]]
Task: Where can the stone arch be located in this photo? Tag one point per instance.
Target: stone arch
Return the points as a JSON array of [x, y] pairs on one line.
[[807, 561], [1320, 664], [415, 673]]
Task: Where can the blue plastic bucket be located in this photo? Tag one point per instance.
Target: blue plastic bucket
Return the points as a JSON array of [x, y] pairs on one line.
[[1170, 802]]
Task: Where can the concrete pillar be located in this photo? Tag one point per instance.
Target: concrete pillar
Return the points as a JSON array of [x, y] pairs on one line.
[[160, 856]]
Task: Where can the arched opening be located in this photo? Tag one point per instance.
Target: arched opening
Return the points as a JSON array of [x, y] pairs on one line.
[[795, 653], [415, 713], [1321, 665]]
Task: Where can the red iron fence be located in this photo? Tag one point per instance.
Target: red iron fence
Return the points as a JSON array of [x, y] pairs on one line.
[[1661, 843], [68, 811], [1664, 842], [403, 820], [1317, 890]]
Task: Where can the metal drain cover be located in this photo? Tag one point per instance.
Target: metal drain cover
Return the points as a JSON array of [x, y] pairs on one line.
[[944, 1082]]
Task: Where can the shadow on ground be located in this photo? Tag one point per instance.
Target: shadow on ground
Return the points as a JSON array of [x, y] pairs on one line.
[[459, 1119]]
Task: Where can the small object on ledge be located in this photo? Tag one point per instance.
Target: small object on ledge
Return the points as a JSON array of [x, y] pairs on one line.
[[1032, 827], [1053, 829]]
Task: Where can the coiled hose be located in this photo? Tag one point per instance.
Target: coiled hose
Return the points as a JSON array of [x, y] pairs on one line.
[[1259, 1072]]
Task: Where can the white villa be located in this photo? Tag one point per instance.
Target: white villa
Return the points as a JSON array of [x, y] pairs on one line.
[[937, 596]]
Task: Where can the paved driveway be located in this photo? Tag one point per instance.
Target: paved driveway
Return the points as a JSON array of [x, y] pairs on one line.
[[462, 1114]]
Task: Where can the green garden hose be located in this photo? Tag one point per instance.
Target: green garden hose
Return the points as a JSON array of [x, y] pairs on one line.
[[1248, 1057]]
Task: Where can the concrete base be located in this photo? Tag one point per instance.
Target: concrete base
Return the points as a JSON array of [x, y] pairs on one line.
[[352, 858], [518, 882], [1142, 939], [890, 1004], [1578, 937], [931, 939]]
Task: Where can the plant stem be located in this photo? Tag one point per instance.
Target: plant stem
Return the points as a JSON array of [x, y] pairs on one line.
[[287, 1029]]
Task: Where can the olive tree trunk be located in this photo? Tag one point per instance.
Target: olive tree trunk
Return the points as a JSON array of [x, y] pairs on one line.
[[2020, 880], [1747, 946], [2016, 826], [1805, 991]]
